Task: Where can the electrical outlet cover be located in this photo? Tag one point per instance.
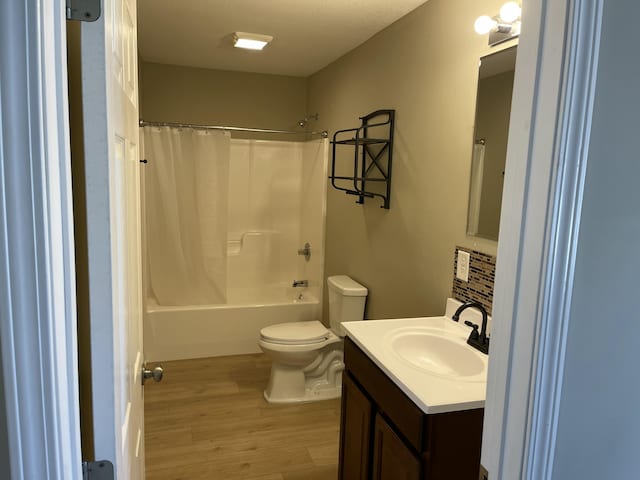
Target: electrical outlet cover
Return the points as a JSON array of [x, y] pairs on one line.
[[462, 270]]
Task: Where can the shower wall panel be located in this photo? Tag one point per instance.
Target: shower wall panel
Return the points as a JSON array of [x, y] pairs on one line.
[[265, 188]]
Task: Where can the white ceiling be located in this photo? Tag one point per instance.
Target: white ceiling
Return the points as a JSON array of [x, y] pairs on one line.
[[308, 34]]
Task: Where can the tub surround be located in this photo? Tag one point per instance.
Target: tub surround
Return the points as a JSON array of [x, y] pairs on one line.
[[482, 276]]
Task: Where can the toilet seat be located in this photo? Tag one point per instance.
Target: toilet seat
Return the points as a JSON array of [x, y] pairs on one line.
[[296, 333]]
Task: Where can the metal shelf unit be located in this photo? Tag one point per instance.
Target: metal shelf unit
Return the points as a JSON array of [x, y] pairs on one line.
[[372, 157]]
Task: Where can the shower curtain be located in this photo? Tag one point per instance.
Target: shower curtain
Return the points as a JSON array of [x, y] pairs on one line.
[[186, 192]]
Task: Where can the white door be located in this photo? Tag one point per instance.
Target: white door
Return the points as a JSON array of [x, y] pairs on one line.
[[110, 106]]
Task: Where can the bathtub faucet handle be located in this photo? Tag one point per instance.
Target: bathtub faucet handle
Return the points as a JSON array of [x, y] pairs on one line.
[[301, 283], [306, 251]]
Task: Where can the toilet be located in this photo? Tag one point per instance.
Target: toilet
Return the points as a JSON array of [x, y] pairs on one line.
[[307, 357]]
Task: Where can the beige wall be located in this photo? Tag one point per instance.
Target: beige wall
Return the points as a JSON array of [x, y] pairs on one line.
[[425, 66], [170, 93]]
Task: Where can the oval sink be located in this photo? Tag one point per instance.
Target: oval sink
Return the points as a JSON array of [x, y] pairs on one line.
[[435, 353]]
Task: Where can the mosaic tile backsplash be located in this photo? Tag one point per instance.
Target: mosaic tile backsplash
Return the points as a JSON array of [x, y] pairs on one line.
[[482, 276]]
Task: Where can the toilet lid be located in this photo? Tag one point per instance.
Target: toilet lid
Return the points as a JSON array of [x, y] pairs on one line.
[[295, 332]]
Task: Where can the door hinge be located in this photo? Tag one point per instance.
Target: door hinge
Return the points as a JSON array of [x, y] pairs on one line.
[[83, 10], [100, 470]]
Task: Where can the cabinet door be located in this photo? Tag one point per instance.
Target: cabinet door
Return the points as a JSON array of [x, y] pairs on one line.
[[392, 459], [355, 432]]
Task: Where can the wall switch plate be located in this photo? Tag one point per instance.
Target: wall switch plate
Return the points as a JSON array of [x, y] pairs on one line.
[[462, 269]]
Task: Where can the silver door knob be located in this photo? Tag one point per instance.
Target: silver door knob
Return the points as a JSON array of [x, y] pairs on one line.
[[156, 373]]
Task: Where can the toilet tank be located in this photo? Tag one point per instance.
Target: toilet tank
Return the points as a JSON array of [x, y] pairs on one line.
[[346, 302]]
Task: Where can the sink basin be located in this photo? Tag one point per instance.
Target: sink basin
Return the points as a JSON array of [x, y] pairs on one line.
[[434, 351], [427, 358]]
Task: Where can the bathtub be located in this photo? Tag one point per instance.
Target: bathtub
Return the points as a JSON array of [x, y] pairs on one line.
[[177, 333]]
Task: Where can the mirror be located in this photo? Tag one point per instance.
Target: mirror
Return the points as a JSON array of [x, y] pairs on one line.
[[493, 109]]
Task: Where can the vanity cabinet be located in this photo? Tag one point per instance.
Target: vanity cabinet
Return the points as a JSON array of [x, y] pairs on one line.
[[391, 457], [385, 436]]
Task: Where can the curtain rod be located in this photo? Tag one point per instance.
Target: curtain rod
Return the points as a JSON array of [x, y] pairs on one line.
[[143, 123]]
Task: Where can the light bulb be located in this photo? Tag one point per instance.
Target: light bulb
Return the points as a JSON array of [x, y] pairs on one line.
[[484, 24], [510, 12]]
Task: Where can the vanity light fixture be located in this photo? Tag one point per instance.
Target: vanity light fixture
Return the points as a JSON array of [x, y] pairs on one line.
[[502, 27], [250, 41]]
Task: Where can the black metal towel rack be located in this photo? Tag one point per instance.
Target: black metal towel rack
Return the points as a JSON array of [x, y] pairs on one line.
[[372, 157]]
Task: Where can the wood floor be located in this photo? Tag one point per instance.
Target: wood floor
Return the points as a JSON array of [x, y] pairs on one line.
[[207, 419]]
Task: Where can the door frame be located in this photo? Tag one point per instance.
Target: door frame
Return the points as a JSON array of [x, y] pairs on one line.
[[544, 181], [37, 283], [37, 287]]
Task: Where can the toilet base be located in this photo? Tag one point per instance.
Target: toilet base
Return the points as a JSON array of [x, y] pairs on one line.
[[321, 380], [309, 396]]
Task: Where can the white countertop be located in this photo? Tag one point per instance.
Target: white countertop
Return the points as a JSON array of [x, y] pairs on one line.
[[431, 392]]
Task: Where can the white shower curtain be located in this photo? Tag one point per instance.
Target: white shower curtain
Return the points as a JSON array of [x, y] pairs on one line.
[[186, 192]]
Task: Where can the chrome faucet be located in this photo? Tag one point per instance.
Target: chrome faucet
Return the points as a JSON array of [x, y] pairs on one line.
[[301, 283], [477, 340]]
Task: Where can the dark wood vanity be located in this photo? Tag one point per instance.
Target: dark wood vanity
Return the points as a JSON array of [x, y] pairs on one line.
[[384, 435]]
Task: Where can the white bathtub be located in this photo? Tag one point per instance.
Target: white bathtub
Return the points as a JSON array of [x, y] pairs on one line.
[[176, 333]]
